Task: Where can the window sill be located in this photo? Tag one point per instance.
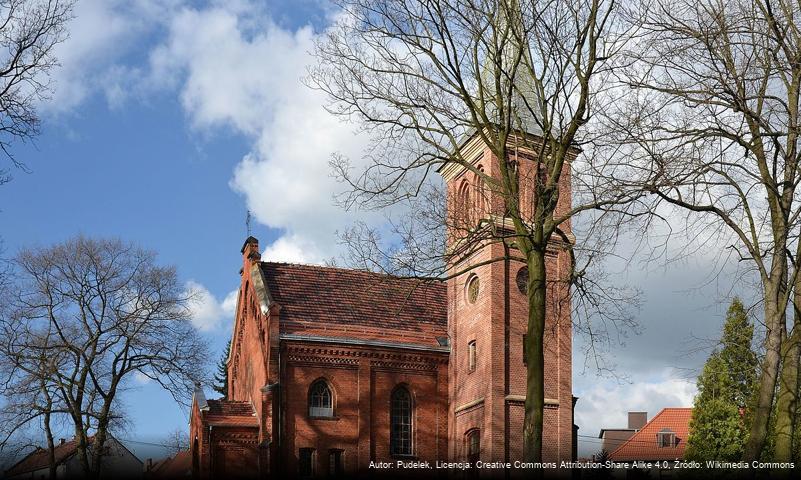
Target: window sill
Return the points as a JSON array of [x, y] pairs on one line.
[[335, 418]]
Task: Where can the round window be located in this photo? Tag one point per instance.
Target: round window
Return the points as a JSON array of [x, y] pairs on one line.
[[472, 289], [522, 280]]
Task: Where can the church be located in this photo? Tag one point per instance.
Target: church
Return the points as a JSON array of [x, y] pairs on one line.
[[333, 370]]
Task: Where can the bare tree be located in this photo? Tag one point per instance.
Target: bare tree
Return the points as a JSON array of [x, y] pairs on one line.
[[87, 315], [713, 121], [424, 76], [176, 441], [29, 32], [30, 400]]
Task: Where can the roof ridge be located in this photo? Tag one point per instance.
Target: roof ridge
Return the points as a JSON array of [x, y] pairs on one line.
[[313, 266]]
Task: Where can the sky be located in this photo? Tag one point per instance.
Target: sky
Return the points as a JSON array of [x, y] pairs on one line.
[[171, 119]]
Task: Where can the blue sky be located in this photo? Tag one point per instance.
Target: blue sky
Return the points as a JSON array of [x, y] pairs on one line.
[[170, 119]]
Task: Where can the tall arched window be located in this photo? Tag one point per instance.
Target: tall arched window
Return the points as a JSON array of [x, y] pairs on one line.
[[482, 199], [464, 208], [401, 422], [473, 440], [321, 401]]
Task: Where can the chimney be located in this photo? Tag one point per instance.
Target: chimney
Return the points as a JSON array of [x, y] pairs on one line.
[[250, 251], [637, 420], [149, 464]]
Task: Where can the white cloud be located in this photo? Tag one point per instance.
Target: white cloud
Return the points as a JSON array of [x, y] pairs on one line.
[[102, 33], [229, 76], [605, 404], [228, 304], [209, 314], [293, 249]]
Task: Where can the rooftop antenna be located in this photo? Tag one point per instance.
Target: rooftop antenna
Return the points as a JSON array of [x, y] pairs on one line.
[[247, 222]]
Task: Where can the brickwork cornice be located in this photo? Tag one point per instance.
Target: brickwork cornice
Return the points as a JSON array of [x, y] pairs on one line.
[[299, 351]]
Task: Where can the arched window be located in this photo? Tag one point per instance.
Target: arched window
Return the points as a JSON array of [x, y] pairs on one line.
[[473, 440], [482, 199], [473, 286], [464, 208], [321, 401], [401, 422], [471, 356]]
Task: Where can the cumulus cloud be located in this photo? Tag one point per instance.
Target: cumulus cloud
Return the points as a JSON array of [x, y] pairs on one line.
[[93, 59], [208, 313], [605, 404], [248, 78]]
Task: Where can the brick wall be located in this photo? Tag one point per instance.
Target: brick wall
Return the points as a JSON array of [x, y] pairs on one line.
[[362, 380]]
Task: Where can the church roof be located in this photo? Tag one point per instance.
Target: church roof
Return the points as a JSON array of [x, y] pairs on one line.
[[341, 303]]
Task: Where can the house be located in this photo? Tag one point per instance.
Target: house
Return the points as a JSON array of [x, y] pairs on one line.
[[611, 438], [118, 462], [662, 439], [332, 370]]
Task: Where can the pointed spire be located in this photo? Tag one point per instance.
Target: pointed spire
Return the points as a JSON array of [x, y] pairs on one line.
[[525, 96]]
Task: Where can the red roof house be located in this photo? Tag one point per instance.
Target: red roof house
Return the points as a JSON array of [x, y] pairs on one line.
[[663, 438], [118, 462]]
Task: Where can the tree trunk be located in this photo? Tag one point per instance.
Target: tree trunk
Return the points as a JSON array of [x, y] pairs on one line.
[[51, 446], [774, 318], [101, 434], [97, 450], [82, 447], [787, 401], [535, 356]]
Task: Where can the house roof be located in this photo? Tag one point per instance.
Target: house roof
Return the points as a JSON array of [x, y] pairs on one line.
[[230, 413], [39, 458], [643, 444], [174, 467], [340, 303]]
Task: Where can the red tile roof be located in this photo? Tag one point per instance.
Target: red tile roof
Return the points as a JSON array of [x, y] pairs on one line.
[[230, 412], [335, 302], [39, 458], [176, 467], [643, 444]]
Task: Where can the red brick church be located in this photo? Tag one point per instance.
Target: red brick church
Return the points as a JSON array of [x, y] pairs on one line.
[[331, 369]]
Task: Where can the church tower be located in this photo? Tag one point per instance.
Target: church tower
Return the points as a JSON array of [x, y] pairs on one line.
[[487, 318]]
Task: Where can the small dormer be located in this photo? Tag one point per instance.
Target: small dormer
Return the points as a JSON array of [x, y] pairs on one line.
[[666, 438]]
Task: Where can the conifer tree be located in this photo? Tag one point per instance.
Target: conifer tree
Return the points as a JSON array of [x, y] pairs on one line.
[[221, 377], [719, 425]]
